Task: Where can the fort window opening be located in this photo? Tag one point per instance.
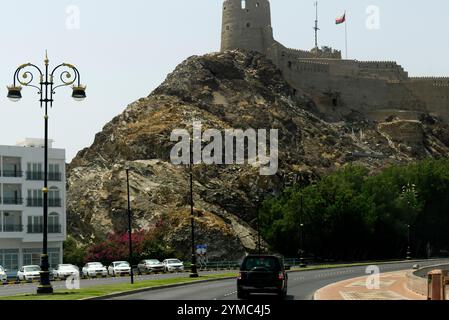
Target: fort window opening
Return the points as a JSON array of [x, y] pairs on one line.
[[257, 4], [335, 102], [227, 28], [243, 4], [289, 64], [248, 24]]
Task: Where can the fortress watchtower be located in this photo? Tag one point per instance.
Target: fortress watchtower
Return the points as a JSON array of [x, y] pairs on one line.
[[246, 25]]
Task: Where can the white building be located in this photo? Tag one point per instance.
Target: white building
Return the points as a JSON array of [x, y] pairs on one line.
[[21, 204]]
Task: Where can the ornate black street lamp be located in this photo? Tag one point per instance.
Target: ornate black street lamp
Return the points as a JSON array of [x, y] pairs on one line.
[[193, 270], [129, 226], [69, 76]]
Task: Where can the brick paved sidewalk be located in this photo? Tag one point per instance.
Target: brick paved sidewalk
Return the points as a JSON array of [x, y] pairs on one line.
[[393, 286]]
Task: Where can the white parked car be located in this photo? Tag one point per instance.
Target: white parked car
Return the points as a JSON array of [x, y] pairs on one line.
[[3, 275], [119, 268], [29, 273], [172, 265], [93, 269], [63, 271]]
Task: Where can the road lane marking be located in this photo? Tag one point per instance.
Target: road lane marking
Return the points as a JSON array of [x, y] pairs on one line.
[[230, 294]]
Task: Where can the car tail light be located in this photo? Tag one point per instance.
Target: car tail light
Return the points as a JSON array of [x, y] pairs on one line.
[[281, 276], [239, 277]]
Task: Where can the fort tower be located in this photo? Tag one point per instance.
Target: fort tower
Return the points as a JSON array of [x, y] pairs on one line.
[[246, 25]]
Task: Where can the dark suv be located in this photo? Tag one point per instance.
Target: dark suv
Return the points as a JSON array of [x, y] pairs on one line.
[[262, 274]]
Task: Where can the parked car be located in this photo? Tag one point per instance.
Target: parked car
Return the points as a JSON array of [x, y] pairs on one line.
[[93, 269], [262, 274], [119, 268], [63, 271], [3, 275], [172, 265], [28, 273], [151, 265]]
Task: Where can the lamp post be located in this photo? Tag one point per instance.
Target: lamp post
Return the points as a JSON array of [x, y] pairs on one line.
[[23, 76], [193, 269], [301, 237], [297, 179], [129, 226], [408, 243], [259, 249], [410, 195]]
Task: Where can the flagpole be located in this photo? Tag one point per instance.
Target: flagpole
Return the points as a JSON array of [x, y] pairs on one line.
[[346, 35]]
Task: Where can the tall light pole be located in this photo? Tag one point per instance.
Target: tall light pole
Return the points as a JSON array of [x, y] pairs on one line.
[[259, 249], [193, 270], [129, 226], [301, 237], [408, 243], [23, 76]]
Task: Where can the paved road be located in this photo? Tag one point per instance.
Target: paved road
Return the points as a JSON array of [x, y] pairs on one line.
[[30, 288], [302, 285]]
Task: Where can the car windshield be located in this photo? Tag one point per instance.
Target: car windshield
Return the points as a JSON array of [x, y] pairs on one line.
[[121, 264], [153, 262], [267, 263], [1, 269], [32, 269], [95, 264], [173, 261], [66, 267]]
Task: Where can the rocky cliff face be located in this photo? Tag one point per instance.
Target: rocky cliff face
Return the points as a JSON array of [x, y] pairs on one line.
[[234, 89]]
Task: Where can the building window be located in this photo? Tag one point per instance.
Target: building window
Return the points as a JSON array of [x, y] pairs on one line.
[[12, 221], [54, 225], [257, 4], [243, 4], [35, 198], [228, 28], [54, 197], [12, 167], [9, 259], [12, 194], [32, 257], [54, 174], [35, 224], [248, 25], [54, 257], [35, 172]]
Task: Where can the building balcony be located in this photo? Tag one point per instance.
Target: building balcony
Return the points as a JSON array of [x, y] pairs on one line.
[[15, 201], [35, 176], [12, 174], [35, 202], [38, 203], [54, 203], [39, 176], [54, 176], [12, 228], [36, 229]]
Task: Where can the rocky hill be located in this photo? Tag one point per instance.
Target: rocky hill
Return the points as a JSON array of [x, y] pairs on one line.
[[234, 89]]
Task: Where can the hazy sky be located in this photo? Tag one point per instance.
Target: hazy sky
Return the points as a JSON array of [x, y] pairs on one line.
[[124, 49]]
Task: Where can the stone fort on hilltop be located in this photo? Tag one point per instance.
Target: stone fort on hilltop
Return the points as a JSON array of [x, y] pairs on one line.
[[340, 88]]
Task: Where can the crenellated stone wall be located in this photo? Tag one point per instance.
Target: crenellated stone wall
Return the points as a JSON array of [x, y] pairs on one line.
[[339, 87]]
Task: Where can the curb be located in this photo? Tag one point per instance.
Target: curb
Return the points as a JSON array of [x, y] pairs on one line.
[[127, 293], [317, 292]]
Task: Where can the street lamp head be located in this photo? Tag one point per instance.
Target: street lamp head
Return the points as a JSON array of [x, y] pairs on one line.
[[79, 93], [14, 93]]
